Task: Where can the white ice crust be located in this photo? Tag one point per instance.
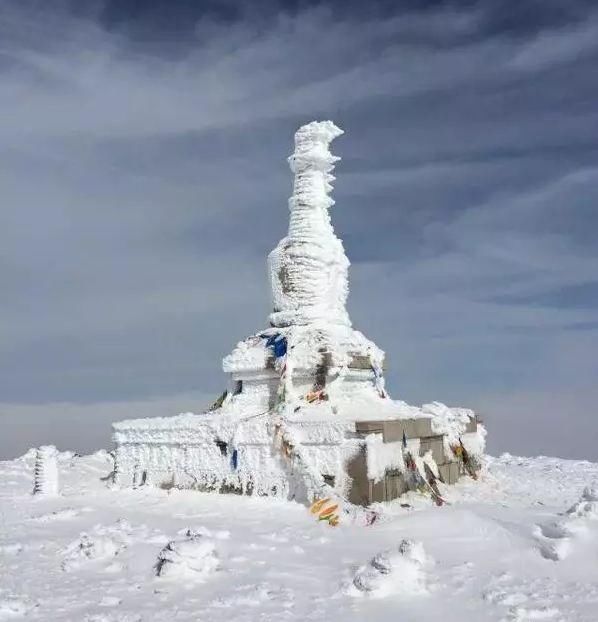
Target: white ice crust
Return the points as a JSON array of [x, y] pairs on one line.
[[308, 268], [270, 393]]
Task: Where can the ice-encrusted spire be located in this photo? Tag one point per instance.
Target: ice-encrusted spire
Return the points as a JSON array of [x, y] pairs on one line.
[[308, 268]]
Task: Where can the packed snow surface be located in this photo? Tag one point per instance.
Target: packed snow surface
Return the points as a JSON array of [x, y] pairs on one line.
[[91, 553]]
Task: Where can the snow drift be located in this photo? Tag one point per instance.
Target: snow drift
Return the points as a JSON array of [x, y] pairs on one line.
[[399, 571], [193, 558]]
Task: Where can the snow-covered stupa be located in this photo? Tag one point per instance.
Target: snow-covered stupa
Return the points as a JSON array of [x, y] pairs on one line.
[[306, 412]]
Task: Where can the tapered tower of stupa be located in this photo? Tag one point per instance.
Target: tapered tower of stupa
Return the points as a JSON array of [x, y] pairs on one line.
[[308, 272], [308, 268]]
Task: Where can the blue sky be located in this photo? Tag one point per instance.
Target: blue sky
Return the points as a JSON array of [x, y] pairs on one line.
[[143, 180]]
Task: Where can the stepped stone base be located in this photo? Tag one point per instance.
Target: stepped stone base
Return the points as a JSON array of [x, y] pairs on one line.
[[394, 484], [392, 430]]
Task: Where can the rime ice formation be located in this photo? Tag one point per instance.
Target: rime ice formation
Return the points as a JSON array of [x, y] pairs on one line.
[[587, 506], [191, 558], [45, 476], [559, 538], [306, 412], [308, 268]]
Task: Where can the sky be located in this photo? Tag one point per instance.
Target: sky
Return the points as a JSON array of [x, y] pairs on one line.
[[143, 180]]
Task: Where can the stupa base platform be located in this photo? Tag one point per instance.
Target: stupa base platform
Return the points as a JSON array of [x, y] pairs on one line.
[[364, 461]]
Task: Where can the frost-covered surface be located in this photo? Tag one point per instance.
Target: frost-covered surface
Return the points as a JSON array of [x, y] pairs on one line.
[[453, 423], [308, 268], [188, 450], [277, 562], [310, 373], [339, 409], [307, 344], [382, 456], [197, 450], [45, 481]]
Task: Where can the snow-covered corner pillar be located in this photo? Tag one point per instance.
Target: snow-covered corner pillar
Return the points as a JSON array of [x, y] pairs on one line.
[[309, 268], [117, 473], [45, 475]]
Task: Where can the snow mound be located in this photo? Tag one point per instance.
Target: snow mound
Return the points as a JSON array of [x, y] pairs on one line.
[[558, 538], [400, 572], [587, 506], [554, 540], [194, 557], [88, 549]]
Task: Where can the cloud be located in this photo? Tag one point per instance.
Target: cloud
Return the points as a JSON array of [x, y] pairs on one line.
[[144, 180], [74, 78], [558, 47]]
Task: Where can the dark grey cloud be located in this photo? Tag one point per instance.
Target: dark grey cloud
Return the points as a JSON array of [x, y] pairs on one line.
[[143, 180]]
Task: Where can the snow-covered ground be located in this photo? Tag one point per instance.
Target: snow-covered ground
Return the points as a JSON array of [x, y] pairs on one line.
[[504, 549]]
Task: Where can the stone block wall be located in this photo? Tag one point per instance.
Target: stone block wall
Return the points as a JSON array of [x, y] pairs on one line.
[[365, 491]]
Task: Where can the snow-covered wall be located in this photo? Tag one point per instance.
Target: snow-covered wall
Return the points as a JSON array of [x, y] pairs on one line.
[[217, 451]]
